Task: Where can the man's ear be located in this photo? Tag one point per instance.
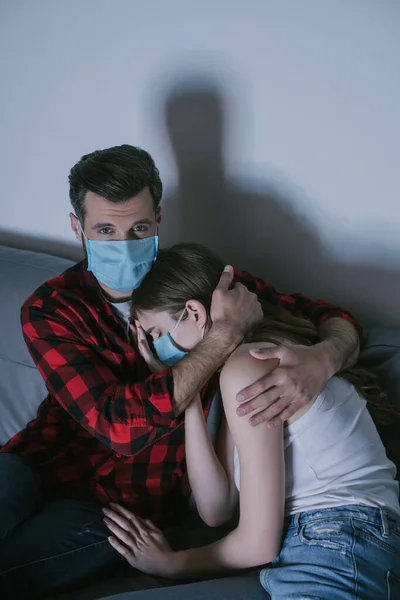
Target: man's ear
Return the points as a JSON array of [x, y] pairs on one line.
[[158, 215], [76, 226]]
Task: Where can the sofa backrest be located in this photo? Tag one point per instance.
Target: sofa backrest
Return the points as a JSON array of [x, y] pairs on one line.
[[21, 386], [381, 353]]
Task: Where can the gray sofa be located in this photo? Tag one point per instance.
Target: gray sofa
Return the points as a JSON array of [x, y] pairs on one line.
[[22, 390]]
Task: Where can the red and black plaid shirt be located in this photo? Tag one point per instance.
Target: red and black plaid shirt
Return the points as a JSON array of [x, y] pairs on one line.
[[107, 424]]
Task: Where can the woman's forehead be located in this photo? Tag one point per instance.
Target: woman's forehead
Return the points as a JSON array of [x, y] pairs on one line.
[[153, 318]]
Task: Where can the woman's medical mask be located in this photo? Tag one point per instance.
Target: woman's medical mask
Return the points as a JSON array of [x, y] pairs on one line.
[[167, 350], [121, 265]]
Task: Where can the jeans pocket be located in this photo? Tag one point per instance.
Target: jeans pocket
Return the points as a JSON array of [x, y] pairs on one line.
[[371, 533], [393, 586], [330, 534]]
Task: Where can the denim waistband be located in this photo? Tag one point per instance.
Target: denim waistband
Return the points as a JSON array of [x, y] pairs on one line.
[[387, 520]]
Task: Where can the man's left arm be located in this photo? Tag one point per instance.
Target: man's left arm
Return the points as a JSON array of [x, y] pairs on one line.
[[303, 371], [339, 343]]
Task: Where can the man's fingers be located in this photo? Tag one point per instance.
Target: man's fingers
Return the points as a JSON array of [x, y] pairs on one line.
[[226, 278], [272, 414], [284, 415], [259, 387], [262, 401], [268, 353]]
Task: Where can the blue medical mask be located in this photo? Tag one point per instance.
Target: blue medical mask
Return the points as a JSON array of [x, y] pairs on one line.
[[121, 265], [167, 350]]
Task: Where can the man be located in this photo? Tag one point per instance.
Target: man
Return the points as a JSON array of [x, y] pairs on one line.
[[109, 429]]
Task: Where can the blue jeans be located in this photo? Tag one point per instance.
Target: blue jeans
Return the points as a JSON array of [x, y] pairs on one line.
[[45, 548], [339, 553]]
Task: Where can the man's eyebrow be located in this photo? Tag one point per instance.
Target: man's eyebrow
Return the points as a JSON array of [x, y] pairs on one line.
[[143, 221], [99, 225], [139, 222]]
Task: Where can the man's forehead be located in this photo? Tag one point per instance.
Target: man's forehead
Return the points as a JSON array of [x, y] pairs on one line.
[[101, 210]]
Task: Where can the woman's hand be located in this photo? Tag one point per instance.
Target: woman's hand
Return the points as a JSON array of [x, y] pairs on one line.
[[152, 361], [139, 541]]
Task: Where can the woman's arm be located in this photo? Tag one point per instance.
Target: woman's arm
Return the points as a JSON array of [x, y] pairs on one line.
[[257, 538], [212, 485]]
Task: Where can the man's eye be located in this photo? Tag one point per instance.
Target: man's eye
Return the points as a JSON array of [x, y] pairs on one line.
[[140, 228], [105, 231]]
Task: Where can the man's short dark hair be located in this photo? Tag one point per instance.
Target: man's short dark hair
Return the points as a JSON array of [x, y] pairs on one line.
[[116, 174]]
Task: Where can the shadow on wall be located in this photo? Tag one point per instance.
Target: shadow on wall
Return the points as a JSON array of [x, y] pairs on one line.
[[254, 228], [257, 230], [38, 244]]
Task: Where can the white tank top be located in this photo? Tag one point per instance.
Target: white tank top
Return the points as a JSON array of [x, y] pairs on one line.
[[335, 457]]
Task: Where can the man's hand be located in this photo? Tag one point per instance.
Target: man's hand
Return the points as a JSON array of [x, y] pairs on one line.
[[139, 541], [155, 365], [302, 374], [236, 308]]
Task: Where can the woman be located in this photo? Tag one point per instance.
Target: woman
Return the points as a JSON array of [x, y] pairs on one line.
[[318, 497]]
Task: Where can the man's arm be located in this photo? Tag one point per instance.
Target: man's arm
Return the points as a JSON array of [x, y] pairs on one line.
[[193, 372], [317, 311], [340, 343]]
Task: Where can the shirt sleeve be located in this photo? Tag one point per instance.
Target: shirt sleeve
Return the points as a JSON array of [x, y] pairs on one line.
[[317, 311], [124, 415]]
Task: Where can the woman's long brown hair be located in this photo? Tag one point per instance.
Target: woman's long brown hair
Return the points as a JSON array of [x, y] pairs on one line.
[[191, 272]]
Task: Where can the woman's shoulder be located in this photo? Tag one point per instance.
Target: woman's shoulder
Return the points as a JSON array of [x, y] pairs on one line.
[[242, 366], [241, 356]]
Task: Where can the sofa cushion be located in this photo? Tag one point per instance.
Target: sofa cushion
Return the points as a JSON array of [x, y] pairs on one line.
[[21, 386], [243, 587], [381, 353]]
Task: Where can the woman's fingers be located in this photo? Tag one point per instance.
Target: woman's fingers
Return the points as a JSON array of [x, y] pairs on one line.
[[151, 526], [142, 340], [121, 510], [136, 522], [122, 550], [144, 349], [121, 533], [120, 520]]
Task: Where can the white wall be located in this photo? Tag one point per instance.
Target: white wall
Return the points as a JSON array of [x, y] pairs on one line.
[[308, 95]]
